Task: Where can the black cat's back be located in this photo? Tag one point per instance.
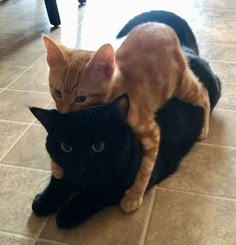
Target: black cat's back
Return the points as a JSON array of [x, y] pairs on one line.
[[202, 69], [180, 25]]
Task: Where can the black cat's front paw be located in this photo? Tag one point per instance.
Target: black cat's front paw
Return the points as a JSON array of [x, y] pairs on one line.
[[79, 209], [52, 198], [66, 219], [42, 207]]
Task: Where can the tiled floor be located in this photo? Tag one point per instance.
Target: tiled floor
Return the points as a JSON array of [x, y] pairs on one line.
[[196, 206]]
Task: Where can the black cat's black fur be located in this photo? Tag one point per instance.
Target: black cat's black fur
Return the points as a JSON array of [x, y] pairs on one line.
[[180, 25], [99, 179]]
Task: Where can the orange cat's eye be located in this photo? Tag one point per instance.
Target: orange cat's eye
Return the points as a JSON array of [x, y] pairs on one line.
[[80, 99], [57, 93]]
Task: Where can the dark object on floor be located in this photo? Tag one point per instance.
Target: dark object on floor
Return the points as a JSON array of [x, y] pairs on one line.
[[82, 2], [52, 10], [179, 24], [53, 13]]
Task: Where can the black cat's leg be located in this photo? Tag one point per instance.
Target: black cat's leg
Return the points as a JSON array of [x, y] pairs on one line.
[[80, 208], [53, 197]]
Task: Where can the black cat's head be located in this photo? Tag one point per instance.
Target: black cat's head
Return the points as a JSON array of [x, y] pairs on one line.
[[93, 145]]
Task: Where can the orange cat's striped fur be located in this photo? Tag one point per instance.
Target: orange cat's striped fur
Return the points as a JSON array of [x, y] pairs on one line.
[[149, 66]]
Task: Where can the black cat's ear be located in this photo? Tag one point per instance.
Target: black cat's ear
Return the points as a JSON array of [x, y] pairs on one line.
[[122, 104], [46, 117]]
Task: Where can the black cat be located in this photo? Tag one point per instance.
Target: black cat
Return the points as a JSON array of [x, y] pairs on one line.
[[99, 153], [100, 156]]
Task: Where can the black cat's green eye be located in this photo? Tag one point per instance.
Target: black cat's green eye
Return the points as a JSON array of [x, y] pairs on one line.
[[66, 148], [57, 93], [80, 99], [99, 147]]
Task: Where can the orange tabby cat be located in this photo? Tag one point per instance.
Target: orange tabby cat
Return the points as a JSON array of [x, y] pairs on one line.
[[149, 66]]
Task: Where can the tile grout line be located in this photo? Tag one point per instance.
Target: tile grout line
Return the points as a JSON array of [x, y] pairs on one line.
[[36, 237], [23, 167], [26, 91], [196, 193], [22, 13], [17, 122], [21, 74], [148, 218], [222, 61], [219, 44], [18, 235], [8, 66], [18, 139], [21, 136], [219, 109], [225, 83], [215, 145], [52, 242], [223, 109]]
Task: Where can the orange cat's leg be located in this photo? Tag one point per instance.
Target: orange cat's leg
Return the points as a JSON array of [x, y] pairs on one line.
[[148, 134], [57, 171], [192, 91]]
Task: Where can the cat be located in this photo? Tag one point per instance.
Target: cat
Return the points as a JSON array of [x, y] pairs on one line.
[[188, 42], [100, 155], [149, 66], [180, 25]]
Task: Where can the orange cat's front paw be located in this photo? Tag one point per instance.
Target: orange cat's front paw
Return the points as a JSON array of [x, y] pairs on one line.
[[131, 201], [204, 133], [57, 171]]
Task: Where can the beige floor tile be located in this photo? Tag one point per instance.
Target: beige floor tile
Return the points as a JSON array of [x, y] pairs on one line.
[[29, 40], [45, 242], [8, 239], [9, 133], [180, 218], [35, 79], [26, 154], [223, 13], [14, 104], [219, 4], [19, 56], [206, 169], [214, 35], [110, 227], [14, 9], [9, 74], [205, 23], [18, 188], [225, 71], [222, 128], [218, 52], [228, 97]]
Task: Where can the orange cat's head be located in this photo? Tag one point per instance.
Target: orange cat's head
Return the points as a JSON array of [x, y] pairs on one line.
[[78, 78]]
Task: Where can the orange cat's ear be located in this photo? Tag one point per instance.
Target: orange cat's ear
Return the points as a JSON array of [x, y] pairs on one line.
[[103, 62], [122, 104], [55, 56]]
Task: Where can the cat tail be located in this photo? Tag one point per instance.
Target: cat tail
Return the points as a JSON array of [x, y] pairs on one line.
[[180, 26]]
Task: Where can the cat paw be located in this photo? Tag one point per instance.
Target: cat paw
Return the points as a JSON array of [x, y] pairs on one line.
[[41, 207], [131, 201], [204, 133], [57, 171]]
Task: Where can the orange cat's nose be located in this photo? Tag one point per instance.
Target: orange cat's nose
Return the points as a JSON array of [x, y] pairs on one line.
[[64, 108]]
